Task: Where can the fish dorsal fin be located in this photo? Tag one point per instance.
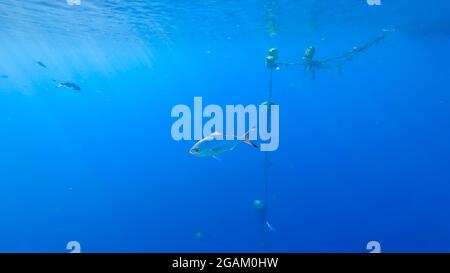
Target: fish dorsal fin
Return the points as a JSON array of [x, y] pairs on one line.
[[212, 136]]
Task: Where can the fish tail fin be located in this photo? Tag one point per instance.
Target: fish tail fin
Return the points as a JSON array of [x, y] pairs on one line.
[[247, 138]]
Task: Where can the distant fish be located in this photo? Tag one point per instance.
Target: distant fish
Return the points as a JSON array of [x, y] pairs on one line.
[[215, 144], [69, 85], [4, 76], [201, 235], [270, 227], [41, 64]]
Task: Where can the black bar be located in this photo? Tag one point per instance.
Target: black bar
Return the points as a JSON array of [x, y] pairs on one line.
[[223, 262]]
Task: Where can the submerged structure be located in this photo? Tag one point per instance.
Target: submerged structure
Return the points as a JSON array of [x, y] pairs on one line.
[[310, 64]]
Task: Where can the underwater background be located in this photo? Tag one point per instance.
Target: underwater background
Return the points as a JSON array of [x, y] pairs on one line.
[[364, 155]]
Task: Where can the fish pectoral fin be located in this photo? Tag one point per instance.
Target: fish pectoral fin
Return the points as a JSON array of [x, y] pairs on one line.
[[216, 158]]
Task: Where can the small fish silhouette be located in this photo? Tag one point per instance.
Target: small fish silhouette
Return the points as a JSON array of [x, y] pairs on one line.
[[41, 64], [69, 85]]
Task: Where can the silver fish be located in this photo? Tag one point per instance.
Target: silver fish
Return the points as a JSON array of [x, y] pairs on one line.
[[69, 85], [216, 143]]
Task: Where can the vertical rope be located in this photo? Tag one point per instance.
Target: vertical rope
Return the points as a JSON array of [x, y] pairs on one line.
[[266, 168], [270, 85], [266, 155]]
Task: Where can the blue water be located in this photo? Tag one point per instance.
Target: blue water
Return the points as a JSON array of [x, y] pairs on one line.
[[364, 156]]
